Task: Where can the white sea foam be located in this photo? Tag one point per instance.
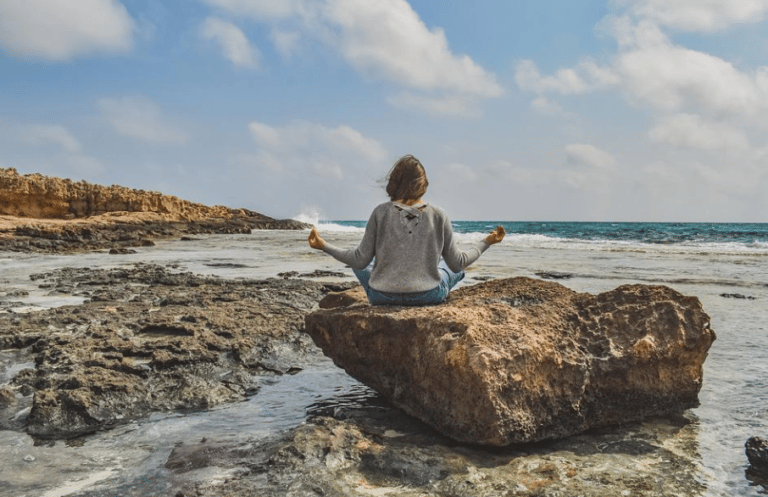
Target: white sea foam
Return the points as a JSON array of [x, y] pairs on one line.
[[315, 217], [339, 228], [537, 241], [309, 215]]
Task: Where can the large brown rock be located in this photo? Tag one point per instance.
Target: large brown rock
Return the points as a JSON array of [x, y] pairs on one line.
[[522, 360]]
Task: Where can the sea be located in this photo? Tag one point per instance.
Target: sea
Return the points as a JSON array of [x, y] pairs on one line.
[[725, 265]]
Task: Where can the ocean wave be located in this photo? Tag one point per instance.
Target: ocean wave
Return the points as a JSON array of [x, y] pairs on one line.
[[315, 217], [539, 241], [309, 215], [339, 228], [684, 239]]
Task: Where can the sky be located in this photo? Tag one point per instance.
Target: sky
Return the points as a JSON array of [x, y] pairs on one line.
[[545, 110]]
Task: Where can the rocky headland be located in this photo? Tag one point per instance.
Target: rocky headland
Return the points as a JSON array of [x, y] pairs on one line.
[[46, 214]]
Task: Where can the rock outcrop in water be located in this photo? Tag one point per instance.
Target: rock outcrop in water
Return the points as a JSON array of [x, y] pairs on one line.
[[149, 340], [757, 454], [522, 360], [44, 214]]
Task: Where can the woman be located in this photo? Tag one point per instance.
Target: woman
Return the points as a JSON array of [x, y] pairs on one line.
[[398, 262]]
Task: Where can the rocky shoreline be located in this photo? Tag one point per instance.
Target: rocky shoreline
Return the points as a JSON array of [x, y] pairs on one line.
[[150, 338], [53, 215], [122, 233]]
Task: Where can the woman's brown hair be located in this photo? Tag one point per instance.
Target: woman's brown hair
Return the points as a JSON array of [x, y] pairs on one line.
[[407, 180]]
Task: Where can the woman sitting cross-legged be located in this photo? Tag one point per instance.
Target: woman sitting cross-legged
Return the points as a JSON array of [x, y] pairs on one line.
[[408, 255]]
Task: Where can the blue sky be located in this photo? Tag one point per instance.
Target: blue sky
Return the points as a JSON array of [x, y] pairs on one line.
[[613, 110]]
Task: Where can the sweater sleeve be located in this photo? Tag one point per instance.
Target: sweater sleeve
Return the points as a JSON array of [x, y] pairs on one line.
[[455, 258], [360, 257]]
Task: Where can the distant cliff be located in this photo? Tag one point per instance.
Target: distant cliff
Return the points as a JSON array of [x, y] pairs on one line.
[[45, 214], [43, 197]]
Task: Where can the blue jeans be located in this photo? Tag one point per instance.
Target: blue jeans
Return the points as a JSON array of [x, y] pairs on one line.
[[448, 280]]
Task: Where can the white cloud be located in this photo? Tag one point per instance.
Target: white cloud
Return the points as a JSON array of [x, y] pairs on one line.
[[304, 149], [286, 42], [140, 119], [687, 130], [451, 104], [47, 135], [59, 30], [565, 81], [388, 40], [261, 9], [232, 41], [546, 106], [587, 76], [672, 77], [383, 40], [588, 155], [650, 68], [698, 15]]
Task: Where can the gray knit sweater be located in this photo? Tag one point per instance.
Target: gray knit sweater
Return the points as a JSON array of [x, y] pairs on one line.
[[407, 242]]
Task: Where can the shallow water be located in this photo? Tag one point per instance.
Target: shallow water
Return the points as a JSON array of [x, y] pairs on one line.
[[129, 460]]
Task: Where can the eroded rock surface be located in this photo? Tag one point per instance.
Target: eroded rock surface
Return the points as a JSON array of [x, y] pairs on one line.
[[149, 339], [522, 360]]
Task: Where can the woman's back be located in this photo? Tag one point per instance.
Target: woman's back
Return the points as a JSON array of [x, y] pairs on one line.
[[406, 240]]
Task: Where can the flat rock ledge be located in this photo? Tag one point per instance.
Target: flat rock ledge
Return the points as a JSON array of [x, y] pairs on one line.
[[522, 360], [148, 339]]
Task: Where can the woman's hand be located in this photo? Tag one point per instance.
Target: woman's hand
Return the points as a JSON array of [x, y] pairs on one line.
[[496, 235], [315, 241]]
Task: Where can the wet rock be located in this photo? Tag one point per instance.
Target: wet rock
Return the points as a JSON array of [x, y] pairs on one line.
[[152, 340], [7, 397], [376, 449], [323, 273], [522, 360], [116, 251], [288, 274], [757, 454], [554, 275], [737, 296]]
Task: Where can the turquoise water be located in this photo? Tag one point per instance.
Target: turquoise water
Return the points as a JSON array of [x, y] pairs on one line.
[[745, 234]]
